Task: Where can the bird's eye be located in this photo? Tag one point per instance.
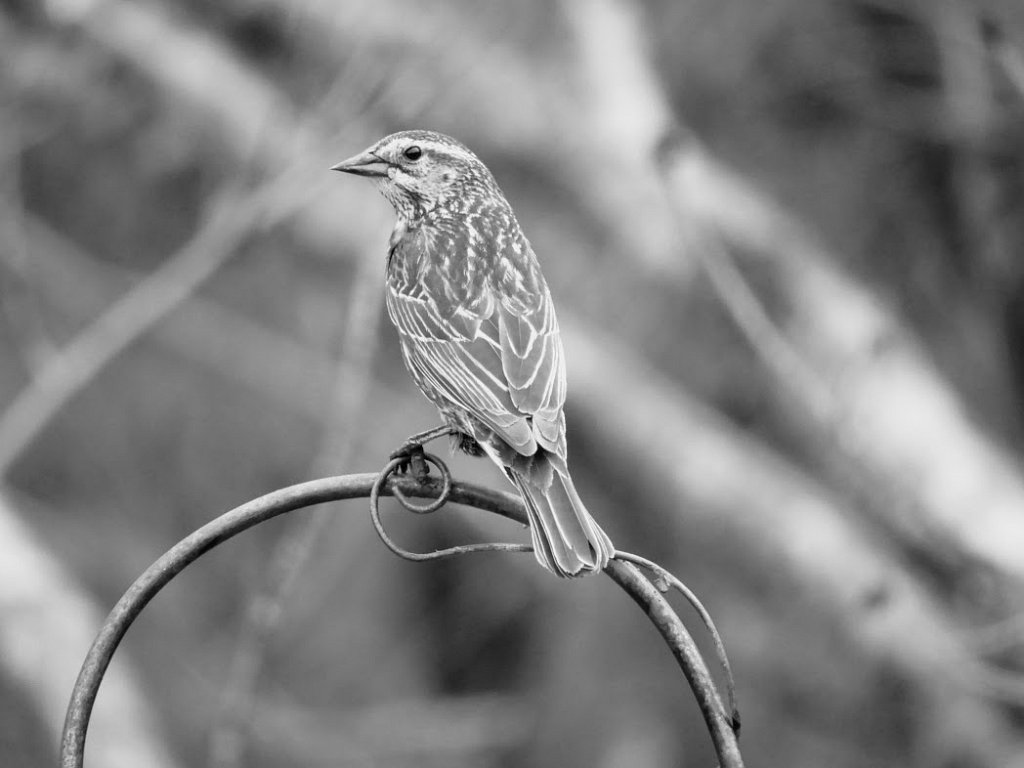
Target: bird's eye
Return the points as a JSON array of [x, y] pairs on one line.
[[413, 153]]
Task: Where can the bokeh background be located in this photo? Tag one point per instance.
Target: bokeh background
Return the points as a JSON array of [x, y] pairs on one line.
[[795, 338]]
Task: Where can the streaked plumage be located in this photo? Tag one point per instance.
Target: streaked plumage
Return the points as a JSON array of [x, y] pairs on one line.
[[478, 330]]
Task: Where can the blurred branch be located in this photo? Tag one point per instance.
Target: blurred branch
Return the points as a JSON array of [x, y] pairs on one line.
[[973, 116], [48, 620], [767, 340], [158, 575], [807, 391], [353, 376], [457, 728], [626, 115], [1009, 56], [780, 518], [230, 220], [259, 125], [145, 36], [999, 636], [777, 511], [20, 310], [966, 75], [292, 553], [195, 70], [154, 43], [886, 406], [480, 72], [287, 372]]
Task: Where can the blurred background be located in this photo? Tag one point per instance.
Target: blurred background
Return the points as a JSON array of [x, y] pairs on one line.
[[795, 339]]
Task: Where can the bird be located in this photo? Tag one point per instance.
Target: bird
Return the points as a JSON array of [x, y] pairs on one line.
[[478, 332]]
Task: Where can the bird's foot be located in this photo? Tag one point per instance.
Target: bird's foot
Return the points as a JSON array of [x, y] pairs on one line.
[[410, 453], [411, 460]]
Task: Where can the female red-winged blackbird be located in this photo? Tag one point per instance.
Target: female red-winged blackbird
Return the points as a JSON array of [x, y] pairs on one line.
[[478, 330]]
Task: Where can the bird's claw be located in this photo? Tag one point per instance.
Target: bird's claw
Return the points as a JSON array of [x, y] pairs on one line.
[[411, 460]]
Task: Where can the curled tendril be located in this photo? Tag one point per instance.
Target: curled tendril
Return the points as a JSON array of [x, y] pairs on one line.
[[446, 486], [436, 504]]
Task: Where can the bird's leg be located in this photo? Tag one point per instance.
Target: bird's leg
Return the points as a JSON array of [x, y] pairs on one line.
[[422, 438], [469, 445], [411, 451]]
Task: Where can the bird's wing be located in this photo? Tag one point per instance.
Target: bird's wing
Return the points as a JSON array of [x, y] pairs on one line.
[[534, 364], [498, 359], [460, 359]]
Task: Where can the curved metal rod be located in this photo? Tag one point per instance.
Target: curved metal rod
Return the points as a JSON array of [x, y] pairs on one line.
[[665, 580], [131, 604]]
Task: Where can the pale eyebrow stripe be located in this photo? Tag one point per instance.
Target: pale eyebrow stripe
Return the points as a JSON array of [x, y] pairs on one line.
[[438, 146], [449, 149]]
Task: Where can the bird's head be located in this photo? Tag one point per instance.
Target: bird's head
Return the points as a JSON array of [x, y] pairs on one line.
[[422, 171]]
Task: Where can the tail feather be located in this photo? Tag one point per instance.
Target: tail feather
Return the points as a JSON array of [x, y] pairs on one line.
[[566, 539]]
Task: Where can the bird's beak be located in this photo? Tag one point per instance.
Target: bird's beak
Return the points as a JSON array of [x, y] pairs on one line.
[[364, 164]]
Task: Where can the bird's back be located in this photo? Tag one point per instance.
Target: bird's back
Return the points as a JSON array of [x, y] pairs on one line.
[[468, 298]]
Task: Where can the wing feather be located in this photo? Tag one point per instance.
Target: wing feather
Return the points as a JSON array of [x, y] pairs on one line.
[[534, 364], [465, 371], [500, 361]]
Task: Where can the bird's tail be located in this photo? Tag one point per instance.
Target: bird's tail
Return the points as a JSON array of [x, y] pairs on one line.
[[566, 539]]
